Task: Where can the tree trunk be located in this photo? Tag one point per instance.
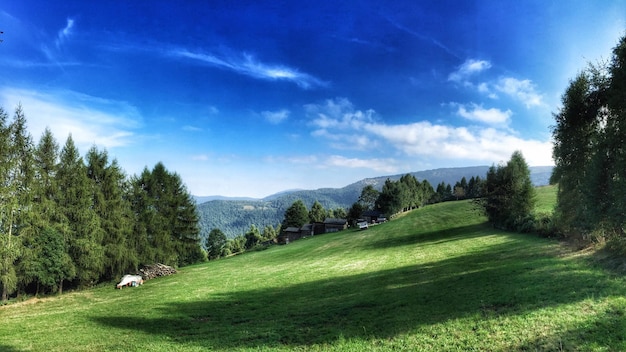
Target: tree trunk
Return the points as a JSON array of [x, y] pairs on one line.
[[60, 286]]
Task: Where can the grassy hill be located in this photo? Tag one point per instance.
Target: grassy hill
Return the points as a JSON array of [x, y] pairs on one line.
[[234, 216], [437, 278]]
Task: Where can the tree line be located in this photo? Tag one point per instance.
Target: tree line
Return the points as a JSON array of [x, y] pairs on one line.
[[218, 245], [408, 193], [590, 154], [71, 221]]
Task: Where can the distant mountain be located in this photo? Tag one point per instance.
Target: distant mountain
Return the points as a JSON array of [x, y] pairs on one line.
[[234, 216], [204, 199]]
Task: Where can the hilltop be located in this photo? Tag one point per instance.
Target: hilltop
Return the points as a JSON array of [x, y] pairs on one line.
[[234, 216]]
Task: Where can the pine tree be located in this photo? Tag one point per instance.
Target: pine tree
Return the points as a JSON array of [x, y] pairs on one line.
[[16, 178], [108, 184], [509, 195], [46, 255], [167, 217], [84, 236], [296, 215], [215, 243], [317, 213]]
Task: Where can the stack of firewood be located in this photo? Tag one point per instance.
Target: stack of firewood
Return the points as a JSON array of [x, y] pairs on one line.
[[155, 270]]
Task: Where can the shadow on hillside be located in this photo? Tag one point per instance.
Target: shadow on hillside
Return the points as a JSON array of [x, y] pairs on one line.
[[5, 348], [498, 281], [430, 238]]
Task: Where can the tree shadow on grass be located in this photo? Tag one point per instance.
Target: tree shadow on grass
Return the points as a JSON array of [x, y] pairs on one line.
[[376, 305]]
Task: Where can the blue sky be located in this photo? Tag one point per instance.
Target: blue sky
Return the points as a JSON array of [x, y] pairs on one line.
[[249, 98]]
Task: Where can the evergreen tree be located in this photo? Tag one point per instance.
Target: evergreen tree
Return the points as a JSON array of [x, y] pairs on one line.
[[317, 213], [390, 200], [16, 179], [509, 194], [253, 237], [354, 213], [368, 197], [296, 215], [42, 259], [167, 217], [269, 232], [85, 234], [10, 246], [215, 243], [108, 184]]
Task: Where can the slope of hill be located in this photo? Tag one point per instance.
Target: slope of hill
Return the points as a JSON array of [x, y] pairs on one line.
[[437, 278], [234, 217]]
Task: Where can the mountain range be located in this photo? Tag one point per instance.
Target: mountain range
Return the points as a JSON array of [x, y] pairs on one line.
[[234, 216]]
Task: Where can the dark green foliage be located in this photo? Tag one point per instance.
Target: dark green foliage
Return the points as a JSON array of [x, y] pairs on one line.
[[405, 194], [108, 186], [317, 213], [215, 244], [589, 151], [63, 221], [296, 215], [354, 213], [166, 218], [368, 197], [509, 195], [51, 263], [253, 237], [79, 219]]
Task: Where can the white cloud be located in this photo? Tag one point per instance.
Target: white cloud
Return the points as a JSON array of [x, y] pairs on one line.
[[522, 90], [338, 114], [90, 120], [490, 116], [248, 65], [64, 33], [489, 145], [276, 117], [468, 68], [337, 120], [379, 165]]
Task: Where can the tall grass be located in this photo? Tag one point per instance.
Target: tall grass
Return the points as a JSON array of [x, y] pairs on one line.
[[438, 278]]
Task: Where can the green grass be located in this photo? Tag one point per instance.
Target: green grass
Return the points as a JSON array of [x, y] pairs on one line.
[[546, 199], [437, 278]]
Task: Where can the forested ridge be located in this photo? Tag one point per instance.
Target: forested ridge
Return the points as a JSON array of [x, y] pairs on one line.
[[66, 221]]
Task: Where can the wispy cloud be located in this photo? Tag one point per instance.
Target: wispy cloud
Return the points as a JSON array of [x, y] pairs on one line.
[[378, 165], [90, 120], [248, 65], [468, 68], [64, 33], [189, 128], [422, 37], [521, 90], [275, 117], [492, 116]]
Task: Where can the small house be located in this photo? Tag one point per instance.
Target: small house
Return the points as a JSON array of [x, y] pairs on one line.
[[334, 225]]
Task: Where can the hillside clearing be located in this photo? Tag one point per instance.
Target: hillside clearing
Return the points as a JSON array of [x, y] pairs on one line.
[[438, 278]]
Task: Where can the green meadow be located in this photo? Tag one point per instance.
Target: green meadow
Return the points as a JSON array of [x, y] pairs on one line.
[[435, 279]]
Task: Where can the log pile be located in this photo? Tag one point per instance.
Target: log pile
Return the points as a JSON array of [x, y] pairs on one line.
[[155, 270]]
